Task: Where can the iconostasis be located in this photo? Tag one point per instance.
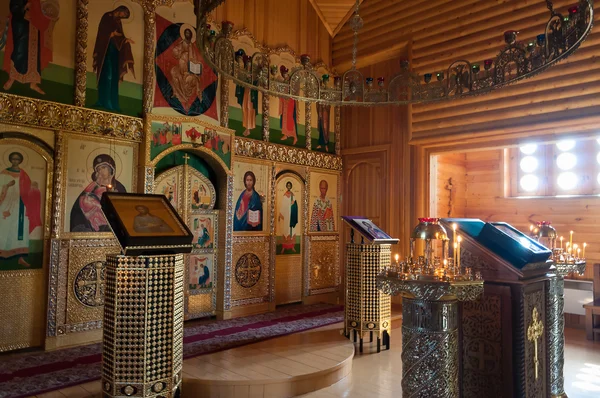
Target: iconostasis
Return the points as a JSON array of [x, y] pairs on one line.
[[88, 111]]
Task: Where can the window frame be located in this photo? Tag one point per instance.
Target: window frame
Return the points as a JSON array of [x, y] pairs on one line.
[[587, 168]]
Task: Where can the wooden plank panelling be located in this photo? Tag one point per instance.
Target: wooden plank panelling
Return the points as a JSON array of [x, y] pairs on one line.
[[366, 129], [485, 200], [294, 23], [450, 166], [564, 99]]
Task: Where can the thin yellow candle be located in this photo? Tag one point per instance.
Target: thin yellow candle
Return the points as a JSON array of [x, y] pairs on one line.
[[571, 239], [397, 257], [583, 254], [561, 239], [457, 267], [578, 252], [454, 226]]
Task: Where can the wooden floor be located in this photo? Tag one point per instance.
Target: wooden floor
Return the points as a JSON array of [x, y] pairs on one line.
[[285, 367], [372, 374]]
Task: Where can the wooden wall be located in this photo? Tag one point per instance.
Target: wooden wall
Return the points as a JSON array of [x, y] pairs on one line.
[[294, 23], [484, 199], [564, 99], [445, 167], [380, 167]]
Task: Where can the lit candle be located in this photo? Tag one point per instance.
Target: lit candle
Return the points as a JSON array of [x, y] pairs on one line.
[[457, 267], [561, 239], [530, 228], [454, 257], [578, 252], [397, 257], [583, 254], [454, 226], [571, 239]]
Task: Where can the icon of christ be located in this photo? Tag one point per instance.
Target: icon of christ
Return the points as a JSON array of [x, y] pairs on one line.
[[185, 83]]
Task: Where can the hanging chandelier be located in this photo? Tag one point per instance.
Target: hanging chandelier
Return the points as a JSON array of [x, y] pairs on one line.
[[559, 38]]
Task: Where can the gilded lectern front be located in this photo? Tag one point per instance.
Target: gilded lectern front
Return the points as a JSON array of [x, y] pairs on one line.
[[366, 309], [506, 343], [142, 353]]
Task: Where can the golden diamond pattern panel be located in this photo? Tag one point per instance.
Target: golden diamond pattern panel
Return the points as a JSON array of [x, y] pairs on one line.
[[250, 267], [143, 326], [23, 301], [323, 264], [288, 279], [367, 308], [199, 305]]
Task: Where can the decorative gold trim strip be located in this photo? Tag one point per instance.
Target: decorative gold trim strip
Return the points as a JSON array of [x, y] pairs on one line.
[[81, 52], [285, 154], [51, 115]]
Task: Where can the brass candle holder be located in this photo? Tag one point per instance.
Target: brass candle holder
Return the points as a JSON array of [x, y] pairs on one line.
[[568, 257], [432, 283]]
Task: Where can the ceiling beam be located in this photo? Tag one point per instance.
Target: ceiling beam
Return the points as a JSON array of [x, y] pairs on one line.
[[344, 20], [321, 16]]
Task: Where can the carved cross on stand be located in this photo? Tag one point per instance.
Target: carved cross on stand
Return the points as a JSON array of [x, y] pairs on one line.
[[534, 332], [482, 357], [98, 282], [450, 188], [186, 158]]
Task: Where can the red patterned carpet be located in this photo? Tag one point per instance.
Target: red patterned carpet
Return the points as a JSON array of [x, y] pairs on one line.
[[28, 374]]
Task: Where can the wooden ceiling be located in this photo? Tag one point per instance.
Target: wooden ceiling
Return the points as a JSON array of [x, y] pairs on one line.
[[334, 13], [439, 30]]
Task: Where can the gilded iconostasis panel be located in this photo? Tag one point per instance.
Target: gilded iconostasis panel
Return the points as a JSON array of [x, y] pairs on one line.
[[289, 233], [260, 205], [251, 193], [185, 84], [37, 48], [26, 179], [94, 166], [115, 56]]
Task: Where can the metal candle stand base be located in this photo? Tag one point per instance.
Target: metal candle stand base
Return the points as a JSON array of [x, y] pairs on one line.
[[430, 364], [142, 354], [429, 348], [556, 322]]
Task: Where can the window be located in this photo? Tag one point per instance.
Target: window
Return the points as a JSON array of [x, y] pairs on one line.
[[564, 167]]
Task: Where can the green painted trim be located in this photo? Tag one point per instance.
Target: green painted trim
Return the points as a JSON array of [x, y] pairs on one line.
[[54, 73], [129, 106], [126, 89]]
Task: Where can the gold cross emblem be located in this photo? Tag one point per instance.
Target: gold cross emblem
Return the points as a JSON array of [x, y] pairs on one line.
[[534, 332]]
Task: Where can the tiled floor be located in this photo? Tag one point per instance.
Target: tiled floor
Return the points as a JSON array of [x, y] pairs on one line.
[[378, 375]]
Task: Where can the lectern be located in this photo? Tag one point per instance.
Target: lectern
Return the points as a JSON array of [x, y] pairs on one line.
[[367, 310], [507, 334], [142, 353]]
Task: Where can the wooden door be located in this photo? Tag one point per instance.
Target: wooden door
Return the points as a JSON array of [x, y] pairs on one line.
[[289, 213], [366, 188]]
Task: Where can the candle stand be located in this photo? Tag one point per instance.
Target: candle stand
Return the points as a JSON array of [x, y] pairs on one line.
[[431, 284], [566, 262]]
